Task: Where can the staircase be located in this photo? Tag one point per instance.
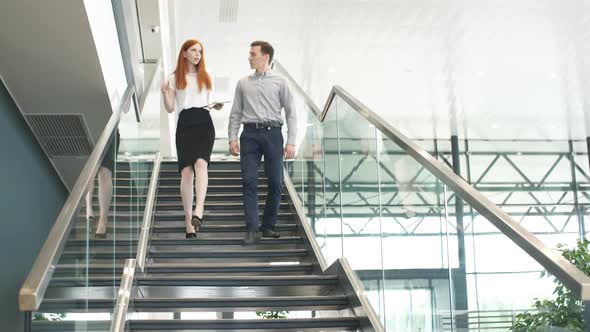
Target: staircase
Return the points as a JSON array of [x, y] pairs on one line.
[[213, 282]]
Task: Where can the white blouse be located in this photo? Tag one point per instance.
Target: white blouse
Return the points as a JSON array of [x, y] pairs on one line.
[[190, 96]]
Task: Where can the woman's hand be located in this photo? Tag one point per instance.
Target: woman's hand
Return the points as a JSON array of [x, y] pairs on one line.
[[164, 87], [169, 96], [218, 106]]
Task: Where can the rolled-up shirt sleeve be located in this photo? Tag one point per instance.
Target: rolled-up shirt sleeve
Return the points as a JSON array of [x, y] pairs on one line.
[[235, 116], [290, 112]]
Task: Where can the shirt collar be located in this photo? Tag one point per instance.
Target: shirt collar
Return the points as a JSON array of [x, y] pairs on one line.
[[267, 73]]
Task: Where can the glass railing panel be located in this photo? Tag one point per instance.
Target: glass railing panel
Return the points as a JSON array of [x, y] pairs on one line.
[[296, 173], [328, 230], [428, 261], [312, 157], [83, 288], [416, 246], [75, 299], [496, 280], [360, 199], [530, 180]]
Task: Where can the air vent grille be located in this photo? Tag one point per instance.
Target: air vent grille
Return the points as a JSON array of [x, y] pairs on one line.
[[61, 135], [228, 11]]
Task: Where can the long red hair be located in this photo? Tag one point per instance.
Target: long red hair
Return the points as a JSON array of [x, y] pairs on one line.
[[203, 78]]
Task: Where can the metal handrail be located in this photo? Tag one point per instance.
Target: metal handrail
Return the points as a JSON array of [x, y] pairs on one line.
[[551, 260], [123, 296], [148, 213], [34, 287]]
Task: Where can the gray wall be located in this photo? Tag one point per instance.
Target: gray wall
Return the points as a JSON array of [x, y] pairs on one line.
[[31, 196]]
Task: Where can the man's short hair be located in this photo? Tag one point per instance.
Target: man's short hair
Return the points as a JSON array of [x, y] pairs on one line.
[[265, 48]]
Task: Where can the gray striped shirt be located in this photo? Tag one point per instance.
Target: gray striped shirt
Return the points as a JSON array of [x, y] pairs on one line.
[[259, 98]]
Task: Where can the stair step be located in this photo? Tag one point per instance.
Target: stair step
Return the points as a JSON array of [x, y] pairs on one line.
[[127, 199], [212, 197], [127, 241], [213, 179], [215, 216], [241, 268], [328, 302], [179, 215], [221, 253], [218, 228], [285, 324], [70, 326], [222, 188], [167, 227], [186, 252], [199, 280], [214, 206]]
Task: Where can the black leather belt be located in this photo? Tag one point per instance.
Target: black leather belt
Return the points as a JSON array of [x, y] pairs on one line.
[[267, 125]]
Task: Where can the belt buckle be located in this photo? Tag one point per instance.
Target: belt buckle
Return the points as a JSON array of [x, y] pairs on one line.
[[263, 125]]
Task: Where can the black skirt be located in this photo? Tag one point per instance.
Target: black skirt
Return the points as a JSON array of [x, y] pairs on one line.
[[112, 151], [195, 136]]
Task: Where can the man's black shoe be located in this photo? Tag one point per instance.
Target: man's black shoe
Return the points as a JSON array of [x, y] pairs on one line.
[[250, 238], [270, 233]]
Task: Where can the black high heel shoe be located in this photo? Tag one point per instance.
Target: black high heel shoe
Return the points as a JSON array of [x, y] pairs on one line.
[[196, 222], [191, 235]]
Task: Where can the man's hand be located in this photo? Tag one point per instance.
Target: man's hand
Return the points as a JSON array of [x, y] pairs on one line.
[[289, 151], [234, 148]]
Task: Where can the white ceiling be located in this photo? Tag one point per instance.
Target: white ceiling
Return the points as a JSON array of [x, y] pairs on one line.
[[480, 68]]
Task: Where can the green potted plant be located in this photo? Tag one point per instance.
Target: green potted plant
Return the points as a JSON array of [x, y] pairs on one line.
[[272, 314], [50, 317], [565, 312]]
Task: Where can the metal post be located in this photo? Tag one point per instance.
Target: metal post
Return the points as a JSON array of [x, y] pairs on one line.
[[225, 315], [28, 321], [460, 280], [579, 213]]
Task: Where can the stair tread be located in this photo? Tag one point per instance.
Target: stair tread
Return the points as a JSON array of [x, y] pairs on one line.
[[208, 299], [200, 277], [126, 240], [200, 280], [185, 265]]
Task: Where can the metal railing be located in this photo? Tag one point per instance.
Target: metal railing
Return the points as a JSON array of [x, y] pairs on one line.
[[33, 289], [551, 260], [351, 284], [126, 286], [146, 226], [127, 280]]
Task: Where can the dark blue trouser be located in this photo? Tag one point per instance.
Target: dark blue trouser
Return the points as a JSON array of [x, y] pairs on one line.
[[255, 143]]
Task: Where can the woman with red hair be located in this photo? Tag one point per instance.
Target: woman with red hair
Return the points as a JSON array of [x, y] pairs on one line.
[[188, 93]]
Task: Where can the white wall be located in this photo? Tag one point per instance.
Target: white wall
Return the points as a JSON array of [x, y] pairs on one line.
[[502, 69], [106, 39]]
